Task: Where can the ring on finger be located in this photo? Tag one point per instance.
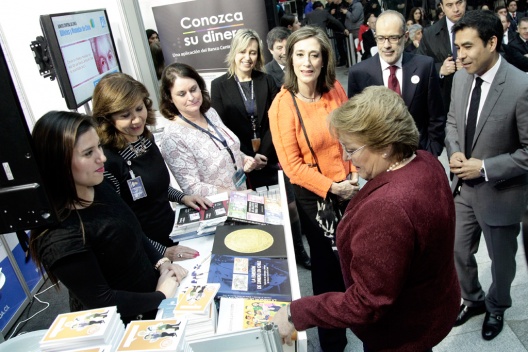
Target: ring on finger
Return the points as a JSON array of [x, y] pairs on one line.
[[180, 255]]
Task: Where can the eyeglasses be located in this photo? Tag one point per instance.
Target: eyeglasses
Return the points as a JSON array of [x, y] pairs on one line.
[[349, 153], [393, 39]]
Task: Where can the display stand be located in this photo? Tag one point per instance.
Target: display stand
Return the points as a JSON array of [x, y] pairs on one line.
[[19, 281], [204, 244]]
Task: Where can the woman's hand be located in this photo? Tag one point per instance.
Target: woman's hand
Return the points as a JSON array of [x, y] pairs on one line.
[[178, 271], [195, 202], [286, 329], [261, 160], [345, 189], [179, 252], [167, 284], [249, 163]]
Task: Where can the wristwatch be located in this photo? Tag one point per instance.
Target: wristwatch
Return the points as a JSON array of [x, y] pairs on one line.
[[290, 320], [482, 171]]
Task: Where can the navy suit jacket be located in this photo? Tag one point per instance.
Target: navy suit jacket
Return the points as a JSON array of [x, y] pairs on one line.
[[274, 70], [420, 91], [515, 51], [227, 101]]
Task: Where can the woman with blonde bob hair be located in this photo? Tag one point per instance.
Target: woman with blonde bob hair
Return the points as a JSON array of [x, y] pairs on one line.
[[396, 239]]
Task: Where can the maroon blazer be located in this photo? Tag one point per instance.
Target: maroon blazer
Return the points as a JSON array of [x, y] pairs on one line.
[[395, 243]]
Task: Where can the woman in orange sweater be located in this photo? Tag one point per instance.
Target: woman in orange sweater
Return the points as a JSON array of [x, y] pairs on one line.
[[311, 85]]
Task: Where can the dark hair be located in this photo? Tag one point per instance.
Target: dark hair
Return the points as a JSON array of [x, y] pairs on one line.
[[327, 77], [287, 20], [157, 58], [498, 8], [277, 34], [510, 1], [485, 22], [169, 76], [54, 136], [150, 32], [421, 22], [317, 4], [117, 92]]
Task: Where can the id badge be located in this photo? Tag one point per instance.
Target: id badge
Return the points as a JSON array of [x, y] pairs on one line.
[[239, 179], [136, 188]]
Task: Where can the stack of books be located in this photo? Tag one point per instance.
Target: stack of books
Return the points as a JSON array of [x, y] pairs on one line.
[[89, 330], [153, 335], [190, 223], [196, 305]]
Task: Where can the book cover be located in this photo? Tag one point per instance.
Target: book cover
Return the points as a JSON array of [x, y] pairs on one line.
[[250, 240], [196, 299], [83, 325], [190, 223], [246, 207], [238, 313], [153, 335], [255, 277]]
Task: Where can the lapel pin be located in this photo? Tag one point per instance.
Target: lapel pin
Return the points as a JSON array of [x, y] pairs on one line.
[[415, 79]]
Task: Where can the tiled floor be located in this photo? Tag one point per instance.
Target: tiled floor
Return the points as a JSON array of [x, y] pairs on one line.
[[465, 338]]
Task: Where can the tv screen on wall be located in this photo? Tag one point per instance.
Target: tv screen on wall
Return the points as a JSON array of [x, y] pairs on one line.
[[82, 51]]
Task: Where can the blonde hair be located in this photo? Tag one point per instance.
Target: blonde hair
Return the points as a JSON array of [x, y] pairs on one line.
[[241, 41], [379, 118]]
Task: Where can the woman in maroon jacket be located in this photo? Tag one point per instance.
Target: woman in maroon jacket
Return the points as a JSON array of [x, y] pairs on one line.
[[395, 240]]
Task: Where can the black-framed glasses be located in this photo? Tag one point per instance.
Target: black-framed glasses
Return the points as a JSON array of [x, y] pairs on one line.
[[393, 39]]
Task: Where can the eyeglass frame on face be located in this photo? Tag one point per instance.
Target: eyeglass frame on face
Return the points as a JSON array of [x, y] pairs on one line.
[[348, 153], [393, 39]]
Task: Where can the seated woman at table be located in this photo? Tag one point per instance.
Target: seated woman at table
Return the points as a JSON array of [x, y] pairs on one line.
[[202, 153], [134, 165], [395, 240], [97, 250]]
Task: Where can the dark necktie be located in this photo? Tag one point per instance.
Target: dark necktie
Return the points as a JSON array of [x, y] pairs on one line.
[[393, 80], [471, 124], [453, 47]]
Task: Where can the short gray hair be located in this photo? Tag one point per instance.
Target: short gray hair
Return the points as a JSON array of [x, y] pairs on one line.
[[413, 30]]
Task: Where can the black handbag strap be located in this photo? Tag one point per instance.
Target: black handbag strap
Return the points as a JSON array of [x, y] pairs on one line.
[[304, 131]]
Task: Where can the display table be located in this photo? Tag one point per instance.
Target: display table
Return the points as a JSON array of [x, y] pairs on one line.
[[198, 267]]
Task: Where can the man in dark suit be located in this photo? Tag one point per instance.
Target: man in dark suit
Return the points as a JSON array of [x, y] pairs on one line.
[[517, 50], [415, 75], [509, 35], [321, 18], [486, 138], [513, 15], [368, 40], [276, 41], [437, 42]]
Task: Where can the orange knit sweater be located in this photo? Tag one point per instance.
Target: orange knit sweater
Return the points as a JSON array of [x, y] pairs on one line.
[[292, 148]]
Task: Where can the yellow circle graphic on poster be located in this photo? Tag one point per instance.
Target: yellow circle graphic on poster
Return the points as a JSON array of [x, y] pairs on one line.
[[248, 240]]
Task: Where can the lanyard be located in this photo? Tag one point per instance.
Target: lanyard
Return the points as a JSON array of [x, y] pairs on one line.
[[249, 104], [220, 138]]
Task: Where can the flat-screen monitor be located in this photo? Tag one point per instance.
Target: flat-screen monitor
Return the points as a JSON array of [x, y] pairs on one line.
[[82, 51]]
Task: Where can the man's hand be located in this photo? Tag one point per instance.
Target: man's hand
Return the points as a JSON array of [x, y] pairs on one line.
[[465, 169], [448, 67]]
